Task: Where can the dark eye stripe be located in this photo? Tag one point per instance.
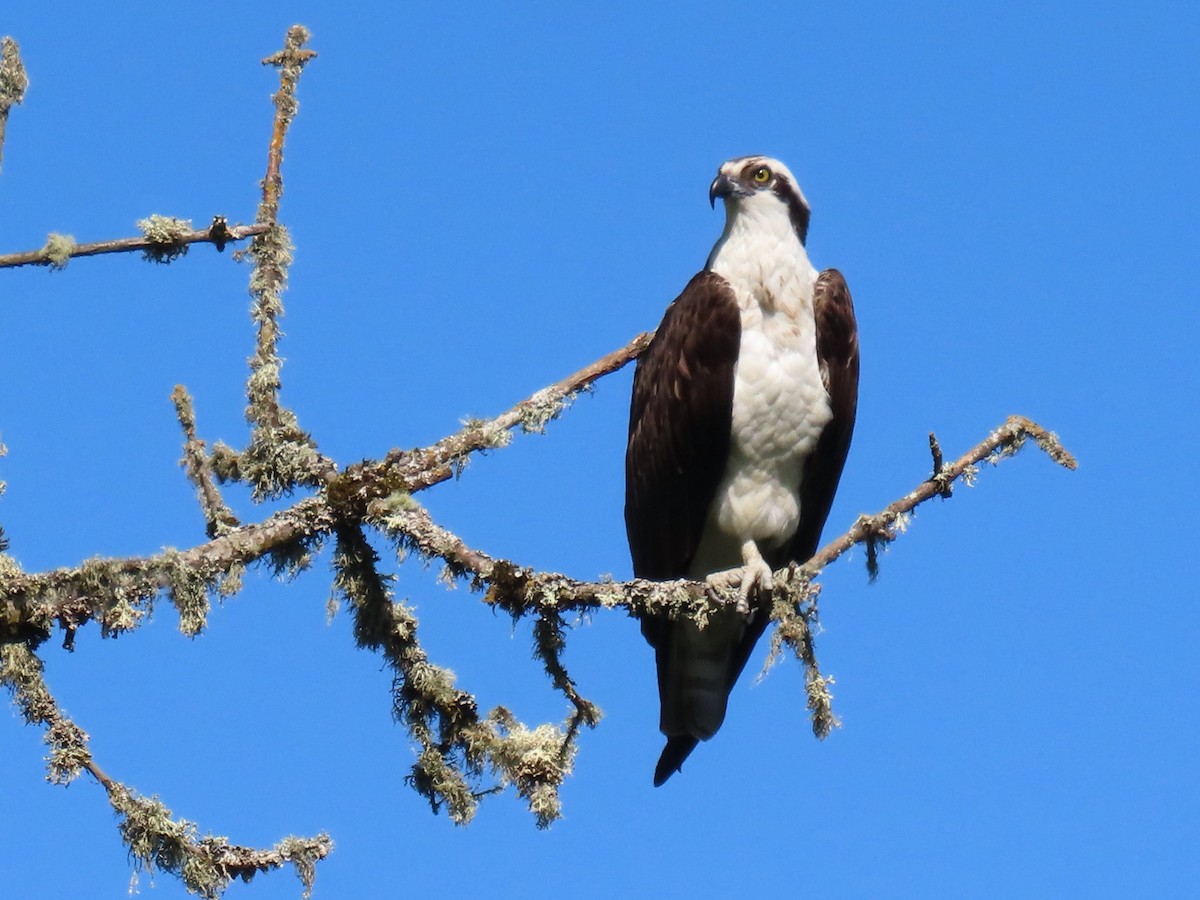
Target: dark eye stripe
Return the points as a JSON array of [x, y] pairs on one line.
[[782, 187]]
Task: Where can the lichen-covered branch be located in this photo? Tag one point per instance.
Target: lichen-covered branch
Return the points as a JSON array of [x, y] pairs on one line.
[[218, 517], [550, 640], [794, 611], [418, 469], [156, 840], [281, 456], [155, 243], [885, 525], [521, 591], [456, 744], [7, 567], [118, 592], [13, 83]]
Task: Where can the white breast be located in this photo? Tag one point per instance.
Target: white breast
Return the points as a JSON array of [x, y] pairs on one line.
[[780, 405]]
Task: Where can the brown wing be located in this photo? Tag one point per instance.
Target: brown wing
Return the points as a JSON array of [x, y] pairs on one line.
[[679, 430], [837, 353]]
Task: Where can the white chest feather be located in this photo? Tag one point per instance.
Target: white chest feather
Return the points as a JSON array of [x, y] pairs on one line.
[[780, 404]]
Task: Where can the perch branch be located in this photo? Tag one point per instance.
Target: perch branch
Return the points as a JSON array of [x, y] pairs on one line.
[[520, 591], [118, 592]]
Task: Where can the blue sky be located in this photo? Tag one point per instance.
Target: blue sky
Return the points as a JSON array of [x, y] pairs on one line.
[[485, 199]]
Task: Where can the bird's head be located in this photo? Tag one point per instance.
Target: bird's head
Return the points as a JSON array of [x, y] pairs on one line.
[[760, 185]]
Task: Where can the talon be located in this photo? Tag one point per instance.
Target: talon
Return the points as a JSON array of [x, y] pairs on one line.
[[756, 576], [720, 582]]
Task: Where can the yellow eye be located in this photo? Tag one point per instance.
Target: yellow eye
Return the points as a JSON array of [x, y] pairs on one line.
[[761, 175]]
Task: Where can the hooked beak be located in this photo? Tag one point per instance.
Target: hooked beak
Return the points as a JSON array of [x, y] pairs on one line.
[[723, 186]]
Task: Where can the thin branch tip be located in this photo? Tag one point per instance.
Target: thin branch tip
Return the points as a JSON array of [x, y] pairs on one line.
[[162, 240]]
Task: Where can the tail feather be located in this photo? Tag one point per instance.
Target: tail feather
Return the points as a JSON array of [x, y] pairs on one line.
[[678, 748]]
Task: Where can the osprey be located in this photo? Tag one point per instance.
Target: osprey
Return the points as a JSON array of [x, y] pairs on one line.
[[743, 406]]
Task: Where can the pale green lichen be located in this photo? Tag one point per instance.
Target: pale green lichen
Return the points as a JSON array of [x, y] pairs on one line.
[[535, 761], [157, 841], [289, 559], [188, 587], [14, 81], [488, 435], [58, 250], [272, 254], [820, 702], [68, 751], [396, 502], [277, 461], [21, 674], [610, 597], [304, 854], [206, 865], [119, 598], [165, 235], [230, 582], [225, 462]]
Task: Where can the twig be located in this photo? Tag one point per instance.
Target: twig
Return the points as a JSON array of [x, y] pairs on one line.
[[56, 252], [883, 526], [218, 517], [431, 465], [549, 643], [290, 61], [939, 476]]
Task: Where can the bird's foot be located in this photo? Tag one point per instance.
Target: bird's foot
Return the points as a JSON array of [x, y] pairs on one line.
[[720, 583], [748, 579]]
